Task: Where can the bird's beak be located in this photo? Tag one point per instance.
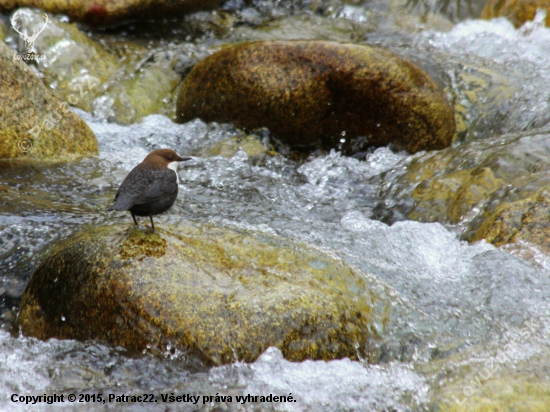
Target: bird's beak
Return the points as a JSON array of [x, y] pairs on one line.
[[183, 159]]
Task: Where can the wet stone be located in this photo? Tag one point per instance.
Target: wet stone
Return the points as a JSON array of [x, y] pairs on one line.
[[509, 218], [102, 12], [33, 123], [3, 30], [496, 189], [517, 11], [123, 82], [253, 145], [316, 94], [214, 295]]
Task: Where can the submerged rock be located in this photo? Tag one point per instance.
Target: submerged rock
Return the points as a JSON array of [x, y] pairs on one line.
[[123, 86], [519, 213], [33, 123], [303, 27], [497, 189], [73, 64], [216, 295], [513, 392], [455, 10], [253, 145], [109, 12], [449, 197], [320, 94], [484, 101], [146, 87], [517, 11], [501, 379], [3, 30]]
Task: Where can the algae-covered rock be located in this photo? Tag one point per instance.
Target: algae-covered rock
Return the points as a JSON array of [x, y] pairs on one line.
[[519, 213], [215, 294], [123, 86], [493, 375], [517, 11], [491, 386], [109, 11], [496, 188], [447, 198], [3, 30], [526, 393], [33, 123], [320, 94]]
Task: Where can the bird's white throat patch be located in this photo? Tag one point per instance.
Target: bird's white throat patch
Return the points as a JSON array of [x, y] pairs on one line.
[[174, 167]]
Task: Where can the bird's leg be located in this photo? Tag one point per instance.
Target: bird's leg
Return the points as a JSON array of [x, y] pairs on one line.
[[135, 221], [152, 224]]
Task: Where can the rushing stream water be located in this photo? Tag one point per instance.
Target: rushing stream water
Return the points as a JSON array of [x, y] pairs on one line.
[[472, 296]]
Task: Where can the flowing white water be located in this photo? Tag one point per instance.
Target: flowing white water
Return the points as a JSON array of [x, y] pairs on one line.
[[519, 59]]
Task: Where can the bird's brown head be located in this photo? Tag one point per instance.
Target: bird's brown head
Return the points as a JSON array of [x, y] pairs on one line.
[[161, 158]]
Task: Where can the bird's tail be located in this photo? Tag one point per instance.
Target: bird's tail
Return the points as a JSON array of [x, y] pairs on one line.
[[117, 206]]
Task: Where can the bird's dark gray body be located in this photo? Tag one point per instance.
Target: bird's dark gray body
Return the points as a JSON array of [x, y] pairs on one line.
[[151, 187], [147, 192]]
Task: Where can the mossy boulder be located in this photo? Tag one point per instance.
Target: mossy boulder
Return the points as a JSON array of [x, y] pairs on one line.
[[33, 123], [217, 295], [104, 12], [313, 94], [517, 11]]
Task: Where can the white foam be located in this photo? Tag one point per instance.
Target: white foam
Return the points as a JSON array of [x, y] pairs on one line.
[[331, 386]]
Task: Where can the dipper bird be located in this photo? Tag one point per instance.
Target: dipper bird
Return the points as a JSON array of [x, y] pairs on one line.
[[151, 187]]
